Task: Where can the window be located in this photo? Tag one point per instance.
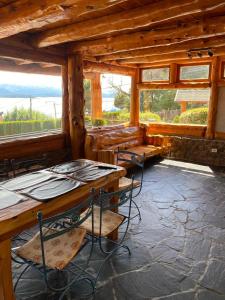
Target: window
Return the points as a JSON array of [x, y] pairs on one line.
[[175, 106], [223, 70], [157, 74], [199, 72], [29, 103], [87, 99]]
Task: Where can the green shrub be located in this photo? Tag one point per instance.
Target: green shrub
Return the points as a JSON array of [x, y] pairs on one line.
[[149, 117], [19, 127], [99, 122], [193, 116]]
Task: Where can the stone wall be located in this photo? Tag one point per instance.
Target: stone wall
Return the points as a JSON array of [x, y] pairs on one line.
[[197, 150]]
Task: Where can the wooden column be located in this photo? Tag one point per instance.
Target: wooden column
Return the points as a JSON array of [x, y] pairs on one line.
[[65, 106], [173, 73], [76, 105], [210, 133], [96, 97], [183, 106], [135, 99]]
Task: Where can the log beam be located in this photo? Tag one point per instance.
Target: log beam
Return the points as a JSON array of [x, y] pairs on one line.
[[65, 98], [107, 68], [76, 105], [212, 112], [167, 86], [203, 28], [148, 15], [23, 15], [96, 97]]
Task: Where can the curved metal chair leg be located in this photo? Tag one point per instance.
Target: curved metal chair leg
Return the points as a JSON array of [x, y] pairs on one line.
[[138, 209], [20, 276]]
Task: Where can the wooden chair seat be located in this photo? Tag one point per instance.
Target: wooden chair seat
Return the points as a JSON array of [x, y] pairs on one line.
[[110, 222], [125, 182], [59, 251], [147, 150]]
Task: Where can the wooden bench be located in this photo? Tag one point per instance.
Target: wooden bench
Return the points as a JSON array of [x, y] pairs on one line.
[[101, 144]]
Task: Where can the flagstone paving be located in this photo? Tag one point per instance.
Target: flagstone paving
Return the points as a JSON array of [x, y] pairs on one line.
[[178, 249]]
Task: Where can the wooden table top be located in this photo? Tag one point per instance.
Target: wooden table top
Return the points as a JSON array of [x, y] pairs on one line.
[[22, 215]]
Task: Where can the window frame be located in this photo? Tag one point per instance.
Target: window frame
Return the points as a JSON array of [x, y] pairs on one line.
[[222, 70], [156, 81], [179, 66]]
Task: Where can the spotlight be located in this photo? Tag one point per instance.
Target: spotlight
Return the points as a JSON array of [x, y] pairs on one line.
[[210, 53], [199, 54], [189, 54]]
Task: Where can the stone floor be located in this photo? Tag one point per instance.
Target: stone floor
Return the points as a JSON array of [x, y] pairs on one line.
[[178, 250]]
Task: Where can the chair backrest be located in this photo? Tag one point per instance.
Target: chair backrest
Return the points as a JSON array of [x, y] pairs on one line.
[[25, 165], [130, 157], [5, 169], [110, 201]]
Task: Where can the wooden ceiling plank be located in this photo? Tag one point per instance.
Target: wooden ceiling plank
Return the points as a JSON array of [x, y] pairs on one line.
[[24, 15], [177, 47], [217, 51], [149, 15], [92, 67], [159, 36]]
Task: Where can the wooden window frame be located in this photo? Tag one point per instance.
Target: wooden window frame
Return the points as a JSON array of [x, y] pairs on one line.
[[222, 69], [179, 66], [156, 81]]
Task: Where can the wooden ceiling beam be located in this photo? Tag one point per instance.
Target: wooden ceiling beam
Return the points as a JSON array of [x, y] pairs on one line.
[[12, 66], [217, 51], [32, 55], [177, 47], [108, 68], [179, 32], [148, 15], [24, 15]]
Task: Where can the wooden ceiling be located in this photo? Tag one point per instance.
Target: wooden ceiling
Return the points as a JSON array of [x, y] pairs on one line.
[[119, 32]]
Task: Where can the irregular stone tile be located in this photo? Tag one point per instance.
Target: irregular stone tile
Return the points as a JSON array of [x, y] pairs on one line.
[[209, 295], [156, 281], [197, 246], [180, 296], [214, 278], [218, 251], [181, 215]]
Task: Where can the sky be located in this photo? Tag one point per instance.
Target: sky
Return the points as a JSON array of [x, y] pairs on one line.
[[29, 79]]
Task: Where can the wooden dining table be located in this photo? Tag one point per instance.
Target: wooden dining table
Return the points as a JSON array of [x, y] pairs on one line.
[[21, 216]]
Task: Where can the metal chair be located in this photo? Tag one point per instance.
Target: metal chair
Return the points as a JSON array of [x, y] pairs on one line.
[[136, 160], [107, 219], [59, 240], [5, 169], [22, 165]]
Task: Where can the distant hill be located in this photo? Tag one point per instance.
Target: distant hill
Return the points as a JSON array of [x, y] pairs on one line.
[[23, 91], [20, 91]]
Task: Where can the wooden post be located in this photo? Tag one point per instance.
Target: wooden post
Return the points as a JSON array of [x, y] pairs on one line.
[[183, 106], [135, 100], [76, 105], [96, 97], [65, 104], [210, 133], [173, 73]]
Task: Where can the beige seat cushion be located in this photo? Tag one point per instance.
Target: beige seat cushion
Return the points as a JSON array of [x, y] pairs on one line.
[[110, 222], [125, 182], [59, 251]]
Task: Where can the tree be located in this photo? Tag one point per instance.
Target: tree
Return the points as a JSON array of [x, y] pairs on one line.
[[122, 98], [24, 114]]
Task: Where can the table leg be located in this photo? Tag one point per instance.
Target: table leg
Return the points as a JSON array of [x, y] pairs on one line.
[[114, 235], [6, 284]]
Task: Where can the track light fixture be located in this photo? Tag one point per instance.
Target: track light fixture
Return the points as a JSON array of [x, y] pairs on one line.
[[200, 52]]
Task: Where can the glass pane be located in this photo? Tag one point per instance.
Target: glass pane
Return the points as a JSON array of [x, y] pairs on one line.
[[194, 72], [175, 106], [29, 103], [159, 74]]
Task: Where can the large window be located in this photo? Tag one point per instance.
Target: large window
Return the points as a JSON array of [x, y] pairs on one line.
[[156, 74], [175, 106], [195, 72], [29, 103]]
